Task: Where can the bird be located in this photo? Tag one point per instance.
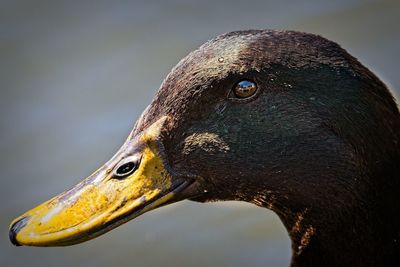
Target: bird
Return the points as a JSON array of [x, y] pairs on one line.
[[286, 120]]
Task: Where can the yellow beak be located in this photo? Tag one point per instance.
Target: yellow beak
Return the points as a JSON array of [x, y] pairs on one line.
[[104, 200]]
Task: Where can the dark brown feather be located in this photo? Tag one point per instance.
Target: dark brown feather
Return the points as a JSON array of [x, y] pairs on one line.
[[318, 144]]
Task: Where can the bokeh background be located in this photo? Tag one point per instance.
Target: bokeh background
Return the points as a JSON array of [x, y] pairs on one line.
[[74, 77]]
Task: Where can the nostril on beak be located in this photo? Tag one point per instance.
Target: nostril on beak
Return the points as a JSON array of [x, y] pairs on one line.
[[15, 228]]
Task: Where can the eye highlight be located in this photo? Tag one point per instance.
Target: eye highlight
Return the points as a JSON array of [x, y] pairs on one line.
[[245, 89]]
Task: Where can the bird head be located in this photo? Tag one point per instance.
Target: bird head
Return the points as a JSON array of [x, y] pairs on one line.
[[268, 117]]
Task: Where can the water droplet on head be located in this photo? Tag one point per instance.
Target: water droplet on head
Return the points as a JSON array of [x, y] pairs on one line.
[[221, 59], [287, 85]]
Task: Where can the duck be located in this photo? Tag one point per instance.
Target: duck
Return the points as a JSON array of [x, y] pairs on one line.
[[286, 120]]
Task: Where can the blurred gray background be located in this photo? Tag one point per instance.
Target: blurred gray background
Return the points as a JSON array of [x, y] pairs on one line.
[[74, 77]]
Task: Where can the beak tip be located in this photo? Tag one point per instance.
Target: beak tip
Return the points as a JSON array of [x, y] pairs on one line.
[[15, 228], [12, 234]]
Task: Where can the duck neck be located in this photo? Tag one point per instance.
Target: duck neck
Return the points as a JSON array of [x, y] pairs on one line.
[[365, 233]]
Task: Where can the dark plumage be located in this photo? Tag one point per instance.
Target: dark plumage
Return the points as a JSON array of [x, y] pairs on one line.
[[318, 143]]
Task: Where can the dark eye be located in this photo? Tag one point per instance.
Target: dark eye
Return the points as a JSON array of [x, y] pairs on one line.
[[244, 89], [126, 168]]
